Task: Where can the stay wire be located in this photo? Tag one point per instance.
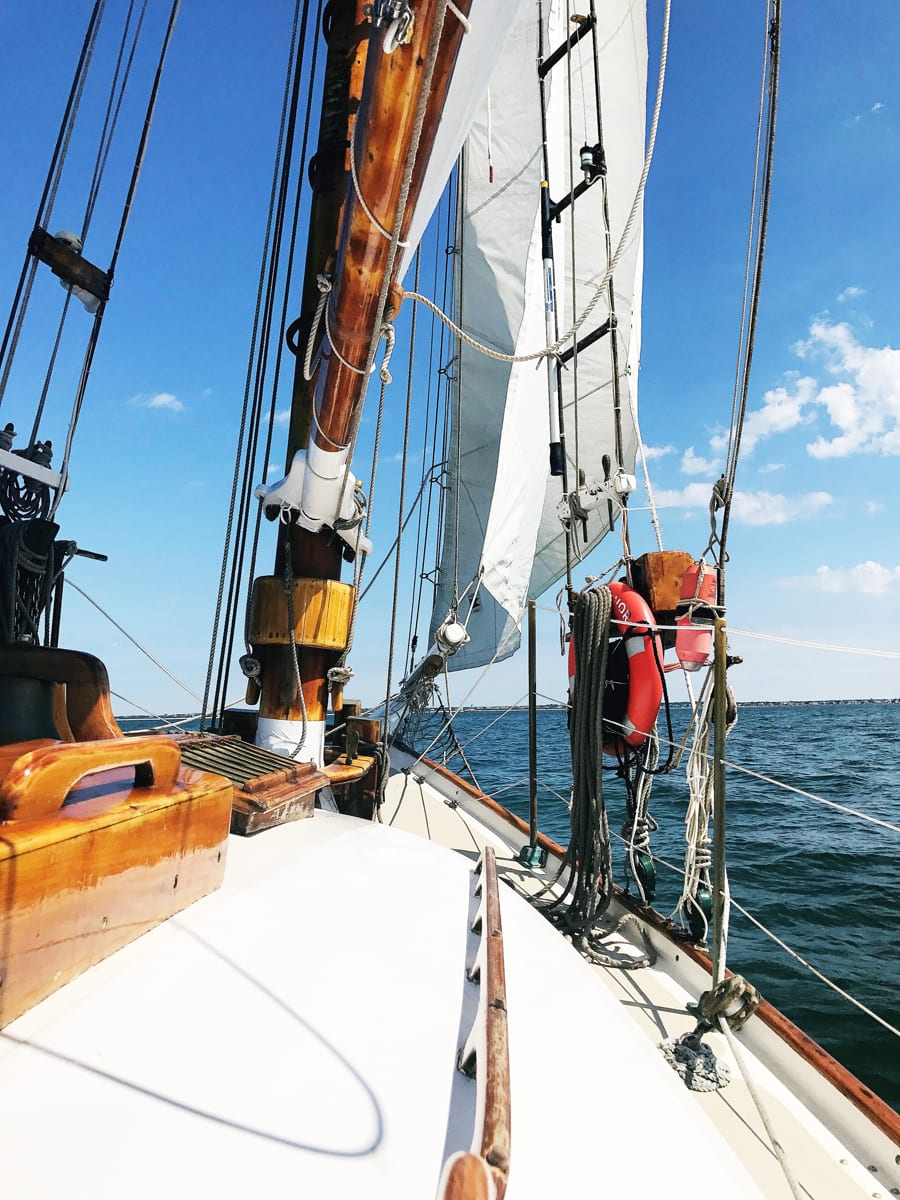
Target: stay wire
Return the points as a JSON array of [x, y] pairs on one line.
[[241, 455], [25, 284], [106, 135], [110, 273], [422, 535], [774, 47], [247, 568]]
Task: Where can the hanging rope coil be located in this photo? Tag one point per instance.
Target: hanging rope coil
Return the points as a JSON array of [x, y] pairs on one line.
[[588, 857], [26, 578]]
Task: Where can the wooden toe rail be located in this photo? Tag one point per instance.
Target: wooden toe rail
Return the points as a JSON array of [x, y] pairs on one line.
[[38, 782], [486, 1052]]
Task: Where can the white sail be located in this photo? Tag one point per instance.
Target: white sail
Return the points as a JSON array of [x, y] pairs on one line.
[[507, 542]]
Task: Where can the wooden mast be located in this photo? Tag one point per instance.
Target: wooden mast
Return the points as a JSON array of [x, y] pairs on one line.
[[357, 262]]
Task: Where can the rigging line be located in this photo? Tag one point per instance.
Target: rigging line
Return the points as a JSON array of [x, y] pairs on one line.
[[126, 212], [837, 649], [787, 787], [624, 240], [818, 974], [663, 862], [109, 126], [395, 599], [145, 135], [405, 185], [475, 736], [24, 287], [415, 607], [165, 722], [755, 1096], [751, 225], [456, 711], [111, 118], [248, 379], [42, 399], [416, 505], [454, 385], [774, 47], [134, 641], [249, 567]]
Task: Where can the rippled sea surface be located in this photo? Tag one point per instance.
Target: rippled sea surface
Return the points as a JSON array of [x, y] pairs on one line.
[[828, 884]]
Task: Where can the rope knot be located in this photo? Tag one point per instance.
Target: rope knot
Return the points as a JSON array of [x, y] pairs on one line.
[[734, 999], [339, 675], [323, 283]]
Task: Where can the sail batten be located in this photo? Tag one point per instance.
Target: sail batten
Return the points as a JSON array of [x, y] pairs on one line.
[[511, 541]]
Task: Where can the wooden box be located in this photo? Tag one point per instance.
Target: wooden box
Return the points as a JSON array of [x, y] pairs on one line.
[[99, 842]]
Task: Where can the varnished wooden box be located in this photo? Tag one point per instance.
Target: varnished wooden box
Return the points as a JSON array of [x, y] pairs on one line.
[[89, 865]]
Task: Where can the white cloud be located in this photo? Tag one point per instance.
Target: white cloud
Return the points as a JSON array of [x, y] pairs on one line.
[[651, 452], [862, 404], [851, 293], [869, 577], [750, 508], [876, 107], [873, 507], [160, 400], [766, 508], [693, 464], [694, 495], [282, 416], [769, 468]]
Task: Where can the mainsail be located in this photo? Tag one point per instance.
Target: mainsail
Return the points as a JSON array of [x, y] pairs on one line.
[[503, 539]]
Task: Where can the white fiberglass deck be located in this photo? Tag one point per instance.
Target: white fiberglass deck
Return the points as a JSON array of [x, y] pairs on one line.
[[860, 1163], [296, 1034]]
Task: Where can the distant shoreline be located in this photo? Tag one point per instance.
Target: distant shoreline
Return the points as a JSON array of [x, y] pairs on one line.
[[562, 707]]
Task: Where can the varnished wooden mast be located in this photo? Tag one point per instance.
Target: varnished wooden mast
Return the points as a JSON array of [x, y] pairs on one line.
[[389, 98]]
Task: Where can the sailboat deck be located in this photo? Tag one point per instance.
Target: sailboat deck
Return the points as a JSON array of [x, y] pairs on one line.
[[298, 1031], [656, 998]]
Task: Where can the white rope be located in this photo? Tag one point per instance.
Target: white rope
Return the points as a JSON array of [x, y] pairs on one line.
[[324, 285], [624, 242], [761, 1109], [463, 20], [362, 203], [786, 641]]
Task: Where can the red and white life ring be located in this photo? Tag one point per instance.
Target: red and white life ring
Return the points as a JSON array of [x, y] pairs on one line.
[[636, 625]]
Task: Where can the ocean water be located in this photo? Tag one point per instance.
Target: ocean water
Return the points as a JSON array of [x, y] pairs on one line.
[[827, 884]]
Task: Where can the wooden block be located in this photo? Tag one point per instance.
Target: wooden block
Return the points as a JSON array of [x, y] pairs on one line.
[[657, 577], [100, 865], [322, 612]]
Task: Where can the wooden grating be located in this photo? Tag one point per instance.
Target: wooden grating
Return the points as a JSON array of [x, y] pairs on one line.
[[269, 789]]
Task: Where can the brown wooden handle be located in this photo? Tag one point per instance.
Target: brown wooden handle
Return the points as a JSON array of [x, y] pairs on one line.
[[465, 1177], [39, 781]]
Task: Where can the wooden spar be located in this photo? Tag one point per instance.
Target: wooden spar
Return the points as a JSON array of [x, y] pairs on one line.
[[329, 171], [382, 135], [383, 132]]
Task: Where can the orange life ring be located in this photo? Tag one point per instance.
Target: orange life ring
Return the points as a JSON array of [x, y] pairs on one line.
[[636, 624]]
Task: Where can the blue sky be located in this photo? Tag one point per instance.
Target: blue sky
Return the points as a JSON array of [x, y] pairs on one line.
[[814, 540]]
